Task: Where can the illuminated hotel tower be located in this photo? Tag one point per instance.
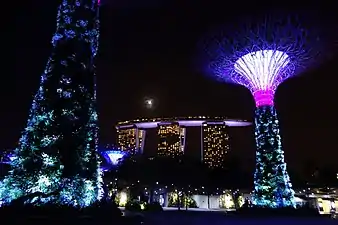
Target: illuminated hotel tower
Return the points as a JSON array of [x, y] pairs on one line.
[[215, 143], [131, 139], [171, 139]]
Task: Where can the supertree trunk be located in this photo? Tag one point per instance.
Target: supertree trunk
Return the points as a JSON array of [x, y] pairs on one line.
[[272, 183], [57, 152]]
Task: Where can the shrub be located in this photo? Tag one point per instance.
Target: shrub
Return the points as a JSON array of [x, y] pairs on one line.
[[133, 206], [153, 207], [51, 213]]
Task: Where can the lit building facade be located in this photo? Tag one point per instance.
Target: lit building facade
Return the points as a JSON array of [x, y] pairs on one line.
[[131, 139], [167, 136], [171, 139], [215, 144]]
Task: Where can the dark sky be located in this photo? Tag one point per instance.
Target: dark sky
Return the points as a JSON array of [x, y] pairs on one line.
[[149, 50]]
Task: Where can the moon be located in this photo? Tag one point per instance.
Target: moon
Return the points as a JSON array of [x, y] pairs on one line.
[[149, 103]]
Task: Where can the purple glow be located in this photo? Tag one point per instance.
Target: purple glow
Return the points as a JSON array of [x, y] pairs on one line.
[[126, 126], [114, 156], [261, 72], [263, 54], [215, 123], [183, 123], [12, 158], [8, 158], [263, 97], [165, 123]]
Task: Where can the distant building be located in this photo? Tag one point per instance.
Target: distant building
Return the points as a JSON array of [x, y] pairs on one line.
[[171, 139], [215, 144], [131, 139], [171, 136]]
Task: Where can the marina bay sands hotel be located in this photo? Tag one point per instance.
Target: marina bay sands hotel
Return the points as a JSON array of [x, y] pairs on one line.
[[170, 135]]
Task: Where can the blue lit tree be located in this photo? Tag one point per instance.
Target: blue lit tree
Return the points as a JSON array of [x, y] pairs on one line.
[[57, 159], [272, 183], [260, 57]]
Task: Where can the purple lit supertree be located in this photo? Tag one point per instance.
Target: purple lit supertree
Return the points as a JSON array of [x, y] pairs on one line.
[[260, 58]]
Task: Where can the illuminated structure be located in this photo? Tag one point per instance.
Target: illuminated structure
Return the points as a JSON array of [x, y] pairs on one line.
[[57, 159], [260, 59], [171, 135], [171, 139], [131, 139], [112, 157], [215, 144]]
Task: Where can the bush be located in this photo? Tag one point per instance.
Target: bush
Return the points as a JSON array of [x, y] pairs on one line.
[[103, 210], [153, 207], [185, 201], [192, 204], [48, 213], [133, 206]]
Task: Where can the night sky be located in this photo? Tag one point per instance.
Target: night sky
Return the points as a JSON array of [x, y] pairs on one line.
[[150, 50]]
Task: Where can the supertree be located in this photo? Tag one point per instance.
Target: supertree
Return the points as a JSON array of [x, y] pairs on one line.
[[260, 57], [57, 159]]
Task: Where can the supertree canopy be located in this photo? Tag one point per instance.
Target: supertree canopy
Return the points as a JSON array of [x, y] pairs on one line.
[[260, 57], [261, 72], [57, 158]]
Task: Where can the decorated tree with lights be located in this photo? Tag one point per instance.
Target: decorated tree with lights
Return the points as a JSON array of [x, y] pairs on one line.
[[56, 160], [260, 57]]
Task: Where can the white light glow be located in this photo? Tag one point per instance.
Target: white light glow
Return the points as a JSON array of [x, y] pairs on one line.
[[115, 156], [123, 199], [149, 102], [262, 70]]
